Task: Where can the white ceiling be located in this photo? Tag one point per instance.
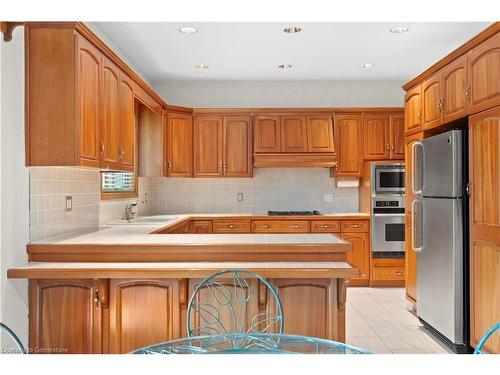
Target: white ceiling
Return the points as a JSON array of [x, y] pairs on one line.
[[252, 51]]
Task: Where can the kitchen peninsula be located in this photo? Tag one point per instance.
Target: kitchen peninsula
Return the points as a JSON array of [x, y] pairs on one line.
[[127, 285]]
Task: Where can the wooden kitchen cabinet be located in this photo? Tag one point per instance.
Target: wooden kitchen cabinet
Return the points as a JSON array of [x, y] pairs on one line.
[[383, 136], [376, 135], [484, 177], [413, 110], [65, 316], [456, 90], [208, 146], [348, 145], [237, 144], [179, 145], [79, 104], [302, 298], [325, 226], [142, 312], [231, 226], [410, 255], [320, 133], [280, 226], [293, 134], [432, 98], [359, 257], [267, 134], [484, 74]]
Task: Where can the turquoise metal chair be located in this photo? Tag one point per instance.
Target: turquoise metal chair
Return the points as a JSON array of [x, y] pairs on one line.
[[487, 335], [18, 346], [226, 303]]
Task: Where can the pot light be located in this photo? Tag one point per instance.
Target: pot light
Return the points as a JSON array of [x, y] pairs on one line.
[[202, 66], [285, 66], [366, 65], [399, 29], [292, 29], [188, 30]]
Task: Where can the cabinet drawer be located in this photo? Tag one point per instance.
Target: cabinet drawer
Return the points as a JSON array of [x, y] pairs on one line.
[[288, 226], [325, 226], [231, 226], [388, 273], [354, 226]]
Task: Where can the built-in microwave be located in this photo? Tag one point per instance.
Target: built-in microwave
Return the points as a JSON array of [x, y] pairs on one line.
[[389, 178]]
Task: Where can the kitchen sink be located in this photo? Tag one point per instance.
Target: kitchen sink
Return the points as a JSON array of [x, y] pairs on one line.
[[145, 220]]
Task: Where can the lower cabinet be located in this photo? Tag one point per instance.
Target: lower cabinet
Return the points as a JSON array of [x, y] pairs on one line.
[[359, 256], [303, 298], [65, 316], [142, 312]]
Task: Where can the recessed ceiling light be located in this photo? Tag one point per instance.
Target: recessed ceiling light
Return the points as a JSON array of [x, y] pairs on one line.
[[399, 29], [292, 29], [202, 66], [366, 65], [285, 66], [188, 30]]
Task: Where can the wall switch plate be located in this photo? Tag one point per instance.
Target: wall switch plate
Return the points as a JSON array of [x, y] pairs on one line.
[[239, 197], [69, 203], [328, 198]]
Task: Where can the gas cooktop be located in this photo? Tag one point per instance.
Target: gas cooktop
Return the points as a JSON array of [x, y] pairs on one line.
[[292, 213]]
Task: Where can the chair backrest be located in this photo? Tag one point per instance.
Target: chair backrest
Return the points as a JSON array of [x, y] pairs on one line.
[[487, 335], [6, 348], [225, 302]]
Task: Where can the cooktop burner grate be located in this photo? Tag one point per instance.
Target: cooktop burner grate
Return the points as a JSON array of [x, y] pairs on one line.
[[292, 213]]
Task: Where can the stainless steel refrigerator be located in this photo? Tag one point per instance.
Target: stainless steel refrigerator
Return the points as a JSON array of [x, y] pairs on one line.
[[439, 236]]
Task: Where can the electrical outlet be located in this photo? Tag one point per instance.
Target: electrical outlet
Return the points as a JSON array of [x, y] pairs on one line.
[[239, 197], [69, 203], [328, 198]]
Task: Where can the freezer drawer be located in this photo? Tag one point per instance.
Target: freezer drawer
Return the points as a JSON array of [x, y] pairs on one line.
[[440, 267]]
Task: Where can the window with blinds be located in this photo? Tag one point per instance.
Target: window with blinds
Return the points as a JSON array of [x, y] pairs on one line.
[[117, 182]]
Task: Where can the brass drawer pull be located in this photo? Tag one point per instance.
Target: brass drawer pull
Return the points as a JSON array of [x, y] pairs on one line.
[[266, 226], [399, 273], [326, 226], [295, 226], [355, 226], [231, 226]]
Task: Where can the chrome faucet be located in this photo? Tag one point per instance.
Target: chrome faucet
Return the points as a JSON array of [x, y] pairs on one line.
[[129, 211]]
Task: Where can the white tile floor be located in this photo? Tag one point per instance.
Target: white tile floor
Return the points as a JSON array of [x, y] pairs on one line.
[[380, 320]]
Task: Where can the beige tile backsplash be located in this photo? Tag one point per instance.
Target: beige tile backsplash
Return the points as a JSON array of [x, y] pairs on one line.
[[269, 189]]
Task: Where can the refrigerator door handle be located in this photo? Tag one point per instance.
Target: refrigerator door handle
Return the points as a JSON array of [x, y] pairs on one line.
[[413, 152], [413, 247]]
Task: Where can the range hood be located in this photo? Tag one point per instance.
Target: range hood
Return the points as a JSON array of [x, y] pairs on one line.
[[300, 160]]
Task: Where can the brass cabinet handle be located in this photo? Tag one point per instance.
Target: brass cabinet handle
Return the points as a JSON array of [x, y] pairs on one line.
[[169, 166], [101, 152], [392, 147], [326, 226], [387, 146], [399, 273], [441, 105], [467, 92], [96, 298], [266, 226], [122, 152], [225, 167], [220, 166], [231, 226], [355, 226], [419, 114], [295, 226]]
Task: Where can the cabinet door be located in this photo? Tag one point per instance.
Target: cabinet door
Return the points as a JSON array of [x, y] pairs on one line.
[[200, 226], [455, 89], [237, 146], [63, 316], [349, 145], [320, 133], [208, 146], [376, 137], [110, 129], [180, 145], [88, 97], [293, 134], [484, 74], [397, 137], [128, 125], [142, 312], [303, 298], [484, 171], [267, 134], [413, 110], [410, 255], [359, 257], [432, 102]]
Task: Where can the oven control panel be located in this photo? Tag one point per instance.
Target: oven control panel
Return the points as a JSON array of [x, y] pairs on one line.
[[386, 204]]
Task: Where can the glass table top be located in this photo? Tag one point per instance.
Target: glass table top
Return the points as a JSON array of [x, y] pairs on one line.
[[251, 343]]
